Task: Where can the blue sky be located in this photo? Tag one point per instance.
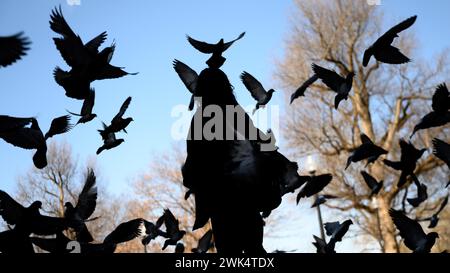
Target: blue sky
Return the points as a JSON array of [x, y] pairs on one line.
[[149, 35]]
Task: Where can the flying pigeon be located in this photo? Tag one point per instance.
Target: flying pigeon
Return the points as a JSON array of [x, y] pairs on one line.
[[368, 150], [256, 90], [372, 183], [12, 48]]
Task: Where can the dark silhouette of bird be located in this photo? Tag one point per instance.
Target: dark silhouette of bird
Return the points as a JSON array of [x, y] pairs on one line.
[[86, 114], [322, 199], [216, 60], [173, 232], [440, 114], [301, 90], [8, 123], [152, 231], [322, 246], [448, 184], [441, 150], [314, 185], [372, 183], [86, 62], [13, 48], [13, 241], [382, 49], [408, 161], [118, 123], [337, 230], [205, 243], [85, 207], [412, 233], [422, 194], [189, 77], [27, 220], [256, 90], [32, 137], [109, 142], [123, 233], [335, 82], [434, 219], [368, 150], [179, 248]]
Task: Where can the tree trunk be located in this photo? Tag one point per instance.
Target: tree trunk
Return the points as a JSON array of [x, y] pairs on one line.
[[387, 226]]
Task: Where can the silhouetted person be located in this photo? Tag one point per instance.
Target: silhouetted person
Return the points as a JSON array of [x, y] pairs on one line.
[[86, 62], [440, 114], [412, 233], [257, 90], [12, 48], [216, 60], [335, 82], [233, 180], [382, 49]]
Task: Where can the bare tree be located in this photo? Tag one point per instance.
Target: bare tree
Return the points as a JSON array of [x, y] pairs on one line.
[[385, 102]]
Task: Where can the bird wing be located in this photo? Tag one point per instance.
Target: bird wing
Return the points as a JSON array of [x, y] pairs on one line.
[[410, 230], [12, 48], [301, 90], [125, 232], [54, 245], [328, 77], [370, 180], [87, 200], [365, 139], [331, 227], [122, 110], [47, 225], [203, 47], [96, 42], [171, 222], [315, 185], [59, 125], [254, 86], [441, 100], [441, 150], [228, 44], [205, 242], [88, 103], [392, 33], [70, 46], [443, 204], [187, 75], [10, 210], [111, 72], [392, 55], [8, 123], [25, 138]]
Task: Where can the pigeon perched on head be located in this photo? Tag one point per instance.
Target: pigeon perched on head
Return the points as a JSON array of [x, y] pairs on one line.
[[412, 233], [322, 247], [173, 232], [368, 150], [322, 199], [408, 161], [301, 90], [434, 219], [85, 207], [205, 243], [314, 185], [13, 48], [337, 230], [382, 49], [440, 114], [216, 60], [335, 82], [86, 114], [372, 183], [189, 77], [256, 90], [441, 150], [422, 194]]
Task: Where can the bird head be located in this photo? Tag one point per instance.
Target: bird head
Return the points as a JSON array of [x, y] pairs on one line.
[[350, 76], [68, 205], [36, 205], [348, 222]]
